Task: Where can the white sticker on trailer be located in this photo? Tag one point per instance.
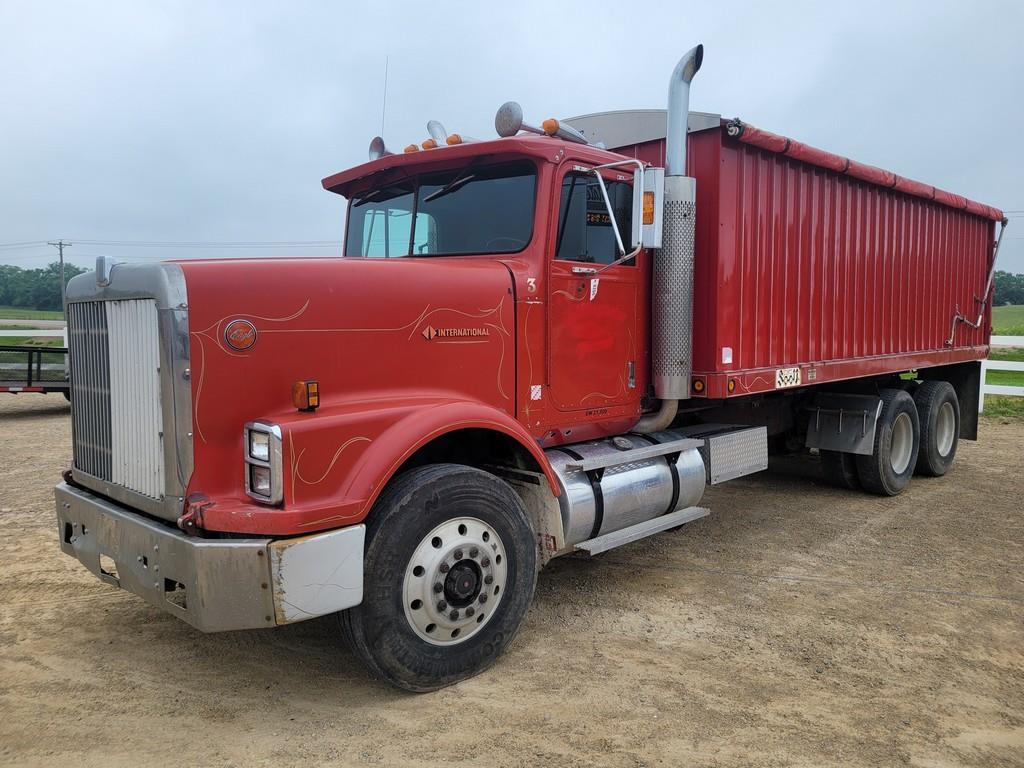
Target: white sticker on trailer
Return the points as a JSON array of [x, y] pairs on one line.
[[787, 377]]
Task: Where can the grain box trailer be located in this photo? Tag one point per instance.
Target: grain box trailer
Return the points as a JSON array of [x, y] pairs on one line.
[[545, 343]]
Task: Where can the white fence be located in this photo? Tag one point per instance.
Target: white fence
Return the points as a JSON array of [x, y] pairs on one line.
[[986, 365], [1000, 365], [32, 333]]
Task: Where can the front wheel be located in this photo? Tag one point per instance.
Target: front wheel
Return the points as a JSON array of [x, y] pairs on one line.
[[449, 573]]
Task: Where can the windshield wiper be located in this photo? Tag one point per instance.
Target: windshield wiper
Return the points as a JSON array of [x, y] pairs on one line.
[[457, 183]]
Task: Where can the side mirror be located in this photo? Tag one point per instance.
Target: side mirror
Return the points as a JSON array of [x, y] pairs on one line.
[[647, 213], [648, 207]]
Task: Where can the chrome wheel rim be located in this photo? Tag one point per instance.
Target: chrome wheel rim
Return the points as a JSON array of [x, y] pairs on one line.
[[945, 429], [902, 443], [454, 581]]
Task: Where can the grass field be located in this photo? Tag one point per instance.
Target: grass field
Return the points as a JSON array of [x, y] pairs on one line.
[[1008, 321], [998, 406], [18, 313]]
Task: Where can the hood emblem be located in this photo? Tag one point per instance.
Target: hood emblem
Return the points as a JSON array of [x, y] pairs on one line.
[[240, 335]]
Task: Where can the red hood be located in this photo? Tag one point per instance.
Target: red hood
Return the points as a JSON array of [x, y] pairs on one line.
[[365, 329]]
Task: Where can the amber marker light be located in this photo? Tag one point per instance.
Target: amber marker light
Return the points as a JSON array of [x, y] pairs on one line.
[[648, 207], [429, 144], [306, 395], [453, 139], [550, 126], [731, 386], [698, 385], [410, 149]]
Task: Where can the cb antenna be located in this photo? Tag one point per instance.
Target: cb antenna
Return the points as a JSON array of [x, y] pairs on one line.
[[384, 100]]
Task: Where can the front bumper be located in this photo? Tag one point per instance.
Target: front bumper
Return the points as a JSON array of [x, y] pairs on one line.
[[213, 584]]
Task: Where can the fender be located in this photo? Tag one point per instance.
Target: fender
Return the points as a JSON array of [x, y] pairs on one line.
[[337, 461]]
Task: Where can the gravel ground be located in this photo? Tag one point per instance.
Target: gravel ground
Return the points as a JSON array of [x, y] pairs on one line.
[[798, 625]]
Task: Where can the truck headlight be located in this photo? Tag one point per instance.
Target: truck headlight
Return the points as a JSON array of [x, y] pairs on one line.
[[259, 445], [263, 474]]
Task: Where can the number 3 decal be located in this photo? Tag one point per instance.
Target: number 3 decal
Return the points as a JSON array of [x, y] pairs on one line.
[[531, 284]]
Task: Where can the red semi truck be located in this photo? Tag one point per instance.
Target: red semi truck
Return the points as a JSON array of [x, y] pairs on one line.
[[546, 343]]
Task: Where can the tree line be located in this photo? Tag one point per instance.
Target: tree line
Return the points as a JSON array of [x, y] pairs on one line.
[[1009, 288], [40, 288], [34, 288]]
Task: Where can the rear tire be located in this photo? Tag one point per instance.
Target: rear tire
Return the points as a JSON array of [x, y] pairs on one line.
[[449, 573], [897, 440], [840, 469], [939, 413]]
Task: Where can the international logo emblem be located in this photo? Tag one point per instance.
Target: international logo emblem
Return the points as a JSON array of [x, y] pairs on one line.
[[240, 335], [430, 333]]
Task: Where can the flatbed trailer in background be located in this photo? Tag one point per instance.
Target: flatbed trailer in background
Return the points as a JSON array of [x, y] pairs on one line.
[[34, 369]]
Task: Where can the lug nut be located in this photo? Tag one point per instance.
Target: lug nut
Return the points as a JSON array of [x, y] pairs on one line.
[[485, 562], [443, 568], [483, 599], [488, 579], [458, 554], [454, 614], [474, 552], [470, 611], [442, 606], [439, 587]]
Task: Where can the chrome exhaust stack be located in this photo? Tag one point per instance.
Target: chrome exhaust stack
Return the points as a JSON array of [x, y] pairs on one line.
[[672, 347]]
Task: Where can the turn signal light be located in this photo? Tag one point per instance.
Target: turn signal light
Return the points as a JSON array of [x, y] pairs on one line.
[[698, 385], [648, 208], [306, 395]]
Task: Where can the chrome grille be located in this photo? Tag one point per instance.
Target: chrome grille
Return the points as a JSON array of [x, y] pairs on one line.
[[117, 420], [89, 362]]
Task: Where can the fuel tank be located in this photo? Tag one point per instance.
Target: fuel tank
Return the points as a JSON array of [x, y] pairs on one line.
[[618, 496]]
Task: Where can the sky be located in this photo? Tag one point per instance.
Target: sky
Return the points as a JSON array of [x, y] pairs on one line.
[[198, 122]]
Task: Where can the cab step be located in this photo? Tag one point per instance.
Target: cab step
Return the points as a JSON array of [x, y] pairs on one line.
[[600, 544]]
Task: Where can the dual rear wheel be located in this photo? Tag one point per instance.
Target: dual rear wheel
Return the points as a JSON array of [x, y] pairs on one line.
[[916, 433]]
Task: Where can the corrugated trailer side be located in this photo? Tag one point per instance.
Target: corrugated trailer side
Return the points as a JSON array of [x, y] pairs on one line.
[[806, 260]]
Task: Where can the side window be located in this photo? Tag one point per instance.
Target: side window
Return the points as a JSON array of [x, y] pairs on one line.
[[584, 227], [383, 221]]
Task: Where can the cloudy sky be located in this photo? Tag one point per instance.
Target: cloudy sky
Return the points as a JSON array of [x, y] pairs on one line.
[[214, 122]]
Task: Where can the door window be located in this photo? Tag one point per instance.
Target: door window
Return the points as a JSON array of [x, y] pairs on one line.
[[584, 227]]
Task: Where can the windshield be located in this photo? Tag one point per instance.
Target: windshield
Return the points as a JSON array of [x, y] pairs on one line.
[[469, 210]]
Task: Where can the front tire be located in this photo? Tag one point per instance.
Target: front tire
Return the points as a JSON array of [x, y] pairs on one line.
[[449, 573], [897, 440]]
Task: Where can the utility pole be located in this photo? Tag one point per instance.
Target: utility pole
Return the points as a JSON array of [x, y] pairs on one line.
[[60, 245]]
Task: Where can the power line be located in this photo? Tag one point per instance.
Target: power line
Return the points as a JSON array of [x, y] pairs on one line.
[[189, 243], [214, 243], [27, 244]]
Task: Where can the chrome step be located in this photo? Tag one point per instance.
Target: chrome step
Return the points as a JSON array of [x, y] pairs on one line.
[[634, 454], [642, 530]]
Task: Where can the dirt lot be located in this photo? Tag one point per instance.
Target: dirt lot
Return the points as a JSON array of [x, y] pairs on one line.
[[797, 625]]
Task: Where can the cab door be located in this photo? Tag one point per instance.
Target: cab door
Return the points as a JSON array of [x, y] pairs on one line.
[[594, 318]]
